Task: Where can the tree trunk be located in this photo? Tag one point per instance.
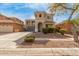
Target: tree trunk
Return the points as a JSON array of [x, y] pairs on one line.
[[75, 35], [74, 31]]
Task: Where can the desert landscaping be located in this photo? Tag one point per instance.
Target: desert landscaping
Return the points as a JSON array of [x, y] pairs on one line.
[[50, 29], [50, 41]]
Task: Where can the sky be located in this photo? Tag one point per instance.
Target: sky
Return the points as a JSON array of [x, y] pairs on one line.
[[26, 10], [21, 10]]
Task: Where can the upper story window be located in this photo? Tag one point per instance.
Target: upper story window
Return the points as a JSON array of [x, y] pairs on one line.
[[40, 15], [48, 17], [32, 21]]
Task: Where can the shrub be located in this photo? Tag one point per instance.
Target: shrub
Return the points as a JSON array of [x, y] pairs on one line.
[[62, 31], [53, 30], [29, 39], [77, 32], [45, 30], [50, 30], [57, 29]]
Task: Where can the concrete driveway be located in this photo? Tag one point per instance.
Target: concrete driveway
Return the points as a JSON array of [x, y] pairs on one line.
[[9, 40]]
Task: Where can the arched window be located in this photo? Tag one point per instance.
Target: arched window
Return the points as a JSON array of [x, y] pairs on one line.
[[40, 15]]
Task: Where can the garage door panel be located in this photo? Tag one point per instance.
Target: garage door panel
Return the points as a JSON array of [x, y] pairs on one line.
[[6, 28]]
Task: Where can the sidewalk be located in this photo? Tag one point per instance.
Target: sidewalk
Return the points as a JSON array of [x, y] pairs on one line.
[[40, 52]]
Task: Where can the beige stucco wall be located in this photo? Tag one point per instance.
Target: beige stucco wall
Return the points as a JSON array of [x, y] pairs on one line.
[[40, 19], [44, 18], [6, 28], [10, 24]]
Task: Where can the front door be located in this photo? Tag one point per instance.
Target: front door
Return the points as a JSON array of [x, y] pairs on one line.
[[39, 27]]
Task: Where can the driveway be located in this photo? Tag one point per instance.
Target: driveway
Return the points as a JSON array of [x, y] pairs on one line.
[[9, 40]]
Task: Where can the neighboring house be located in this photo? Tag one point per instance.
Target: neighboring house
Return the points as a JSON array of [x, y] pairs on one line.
[[10, 24], [67, 26], [30, 25], [42, 20]]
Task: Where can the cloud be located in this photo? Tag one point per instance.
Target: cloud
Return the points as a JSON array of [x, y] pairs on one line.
[[32, 17], [5, 4], [22, 10], [36, 5], [18, 6]]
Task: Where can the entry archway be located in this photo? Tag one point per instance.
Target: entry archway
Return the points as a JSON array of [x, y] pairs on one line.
[[40, 27]]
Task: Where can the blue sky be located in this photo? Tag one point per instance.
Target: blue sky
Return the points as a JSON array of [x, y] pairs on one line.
[[26, 10], [21, 10]]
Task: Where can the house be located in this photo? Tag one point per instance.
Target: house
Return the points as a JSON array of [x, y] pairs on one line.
[[42, 20], [30, 25], [67, 26], [10, 24]]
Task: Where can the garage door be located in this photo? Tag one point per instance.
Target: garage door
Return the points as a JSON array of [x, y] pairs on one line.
[[6, 28]]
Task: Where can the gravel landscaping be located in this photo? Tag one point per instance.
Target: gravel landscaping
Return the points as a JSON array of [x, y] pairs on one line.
[[49, 44], [50, 41]]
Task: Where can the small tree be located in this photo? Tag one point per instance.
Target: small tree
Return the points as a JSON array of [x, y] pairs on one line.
[[73, 9]]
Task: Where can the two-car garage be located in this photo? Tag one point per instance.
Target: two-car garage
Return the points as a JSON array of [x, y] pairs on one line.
[[6, 28], [10, 24]]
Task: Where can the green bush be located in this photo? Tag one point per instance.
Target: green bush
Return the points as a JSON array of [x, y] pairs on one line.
[[54, 30], [29, 38], [57, 29], [77, 32], [50, 30], [45, 30], [62, 31]]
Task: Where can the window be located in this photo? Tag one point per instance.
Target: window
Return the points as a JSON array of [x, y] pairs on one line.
[[48, 17], [40, 15], [27, 22], [33, 22]]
